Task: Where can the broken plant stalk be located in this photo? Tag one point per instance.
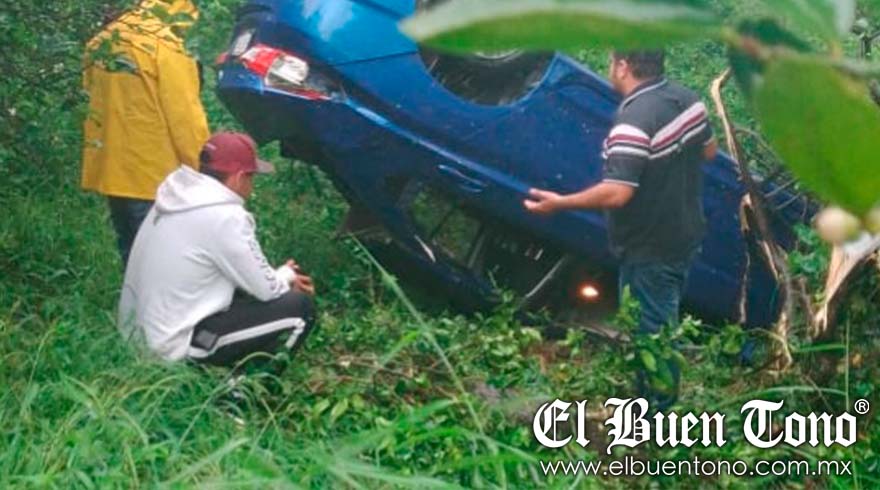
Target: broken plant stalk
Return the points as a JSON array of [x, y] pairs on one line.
[[755, 226]]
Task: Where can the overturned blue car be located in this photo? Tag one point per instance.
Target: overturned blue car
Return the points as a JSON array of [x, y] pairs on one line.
[[435, 153]]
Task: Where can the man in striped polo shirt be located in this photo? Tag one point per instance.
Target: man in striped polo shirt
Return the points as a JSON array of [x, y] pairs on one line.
[[652, 189]]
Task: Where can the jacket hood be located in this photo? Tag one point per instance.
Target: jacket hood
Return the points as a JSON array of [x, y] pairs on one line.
[[186, 189]]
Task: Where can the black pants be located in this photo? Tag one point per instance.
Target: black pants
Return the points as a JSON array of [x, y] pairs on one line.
[[127, 216], [251, 327]]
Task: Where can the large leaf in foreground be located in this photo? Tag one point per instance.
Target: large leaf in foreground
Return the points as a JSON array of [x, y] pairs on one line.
[[826, 128], [492, 25], [828, 18], [749, 70]]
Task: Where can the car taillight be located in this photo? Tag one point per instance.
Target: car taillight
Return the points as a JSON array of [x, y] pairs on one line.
[[284, 71]]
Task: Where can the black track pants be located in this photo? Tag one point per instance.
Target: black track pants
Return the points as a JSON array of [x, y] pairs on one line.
[[251, 326]]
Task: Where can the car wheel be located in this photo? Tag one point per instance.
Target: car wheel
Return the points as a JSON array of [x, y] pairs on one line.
[[486, 78]]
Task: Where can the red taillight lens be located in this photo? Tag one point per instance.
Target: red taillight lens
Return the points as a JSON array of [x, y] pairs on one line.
[[260, 58], [285, 71]]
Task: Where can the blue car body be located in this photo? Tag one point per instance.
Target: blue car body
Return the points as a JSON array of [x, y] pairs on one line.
[[389, 118]]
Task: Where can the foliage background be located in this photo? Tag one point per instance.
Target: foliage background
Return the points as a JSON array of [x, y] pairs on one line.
[[380, 397]]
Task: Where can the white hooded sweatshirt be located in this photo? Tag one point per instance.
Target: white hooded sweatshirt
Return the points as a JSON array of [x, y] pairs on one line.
[[195, 247]]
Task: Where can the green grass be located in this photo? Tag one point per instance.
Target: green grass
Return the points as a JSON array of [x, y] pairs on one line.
[[382, 396]]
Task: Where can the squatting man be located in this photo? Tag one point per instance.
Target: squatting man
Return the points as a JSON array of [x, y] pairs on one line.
[[196, 248]]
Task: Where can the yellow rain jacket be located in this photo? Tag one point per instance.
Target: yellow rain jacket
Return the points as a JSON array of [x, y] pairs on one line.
[[146, 118]]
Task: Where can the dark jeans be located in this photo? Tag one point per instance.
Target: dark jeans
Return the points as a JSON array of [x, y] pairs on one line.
[[251, 327], [127, 215], [658, 287]]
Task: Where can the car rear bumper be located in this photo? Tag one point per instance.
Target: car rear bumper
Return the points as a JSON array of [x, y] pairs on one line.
[[271, 115]]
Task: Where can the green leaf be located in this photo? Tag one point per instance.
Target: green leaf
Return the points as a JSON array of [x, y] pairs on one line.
[[732, 346], [828, 18], [749, 71], [648, 360], [319, 407], [826, 128], [679, 359], [494, 25], [339, 409], [663, 380]]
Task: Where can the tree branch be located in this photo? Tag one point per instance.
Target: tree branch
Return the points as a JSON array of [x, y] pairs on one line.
[[755, 226]]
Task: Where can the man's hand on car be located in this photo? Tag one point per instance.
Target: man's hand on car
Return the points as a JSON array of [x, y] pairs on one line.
[[542, 202]]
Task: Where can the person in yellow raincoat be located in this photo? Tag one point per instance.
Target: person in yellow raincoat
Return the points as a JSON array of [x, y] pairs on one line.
[[145, 116]]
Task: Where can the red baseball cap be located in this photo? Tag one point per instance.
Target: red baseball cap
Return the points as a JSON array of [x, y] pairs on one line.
[[229, 152]]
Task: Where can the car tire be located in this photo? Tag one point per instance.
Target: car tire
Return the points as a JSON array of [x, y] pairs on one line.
[[492, 79]]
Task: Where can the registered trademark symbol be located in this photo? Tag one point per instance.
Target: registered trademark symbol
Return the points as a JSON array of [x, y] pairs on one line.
[[862, 406]]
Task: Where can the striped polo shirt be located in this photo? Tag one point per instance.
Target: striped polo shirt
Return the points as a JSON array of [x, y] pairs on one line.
[[656, 146]]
